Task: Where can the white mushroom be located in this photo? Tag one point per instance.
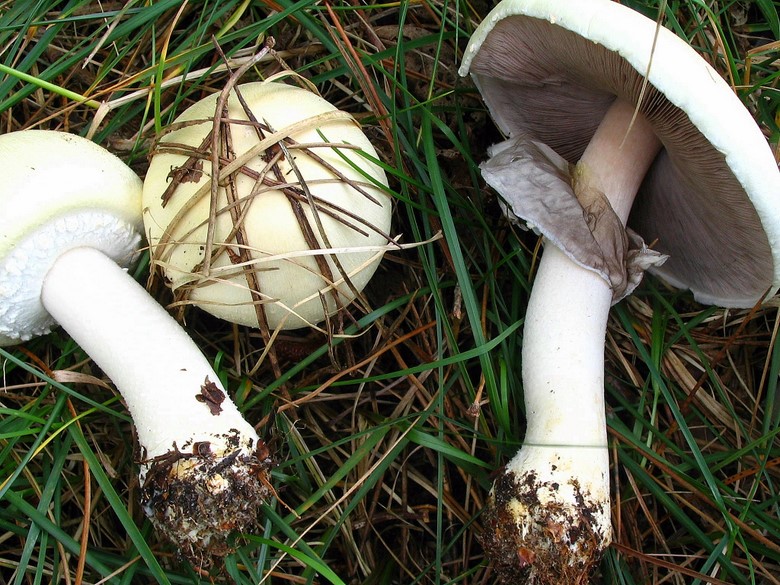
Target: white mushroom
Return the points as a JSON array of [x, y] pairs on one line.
[[71, 219], [681, 160], [298, 223]]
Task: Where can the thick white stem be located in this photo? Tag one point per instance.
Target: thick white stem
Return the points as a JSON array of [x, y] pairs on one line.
[[204, 470], [554, 493], [566, 318], [563, 357], [152, 361]]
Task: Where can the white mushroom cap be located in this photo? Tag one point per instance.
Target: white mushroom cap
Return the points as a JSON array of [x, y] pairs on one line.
[[65, 192], [551, 68], [291, 288]]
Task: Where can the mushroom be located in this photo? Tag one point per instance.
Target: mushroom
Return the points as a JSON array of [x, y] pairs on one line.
[[71, 220], [609, 119], [298, 222]]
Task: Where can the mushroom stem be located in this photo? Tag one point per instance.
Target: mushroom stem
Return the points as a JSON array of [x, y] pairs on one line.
[[202, 469], [553, 496], [618, 156]]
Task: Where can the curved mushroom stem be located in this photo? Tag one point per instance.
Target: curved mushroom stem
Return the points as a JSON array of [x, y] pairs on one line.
[[549, 516], [204, 469]]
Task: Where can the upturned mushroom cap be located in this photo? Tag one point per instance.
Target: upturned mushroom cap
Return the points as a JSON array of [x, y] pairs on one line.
[[65, 192], [550, 69], [290, 285]]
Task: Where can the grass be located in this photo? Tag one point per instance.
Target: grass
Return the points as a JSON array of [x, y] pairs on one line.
[[386, 439]]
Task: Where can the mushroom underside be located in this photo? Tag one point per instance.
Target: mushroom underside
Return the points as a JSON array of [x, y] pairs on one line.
[[724, 258]]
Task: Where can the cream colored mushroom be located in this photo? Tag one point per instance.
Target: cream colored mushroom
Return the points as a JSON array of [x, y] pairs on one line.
[[299, 221]]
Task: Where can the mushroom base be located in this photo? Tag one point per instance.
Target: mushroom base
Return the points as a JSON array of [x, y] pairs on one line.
[[539, 532], [198, 499]]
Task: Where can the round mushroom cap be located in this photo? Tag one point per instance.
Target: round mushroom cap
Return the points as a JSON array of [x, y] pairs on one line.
[[301, 226], [711, 199], [59, 192]]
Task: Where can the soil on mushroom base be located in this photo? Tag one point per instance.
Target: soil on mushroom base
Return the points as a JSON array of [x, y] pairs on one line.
[[529, 559], [191, 496]]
